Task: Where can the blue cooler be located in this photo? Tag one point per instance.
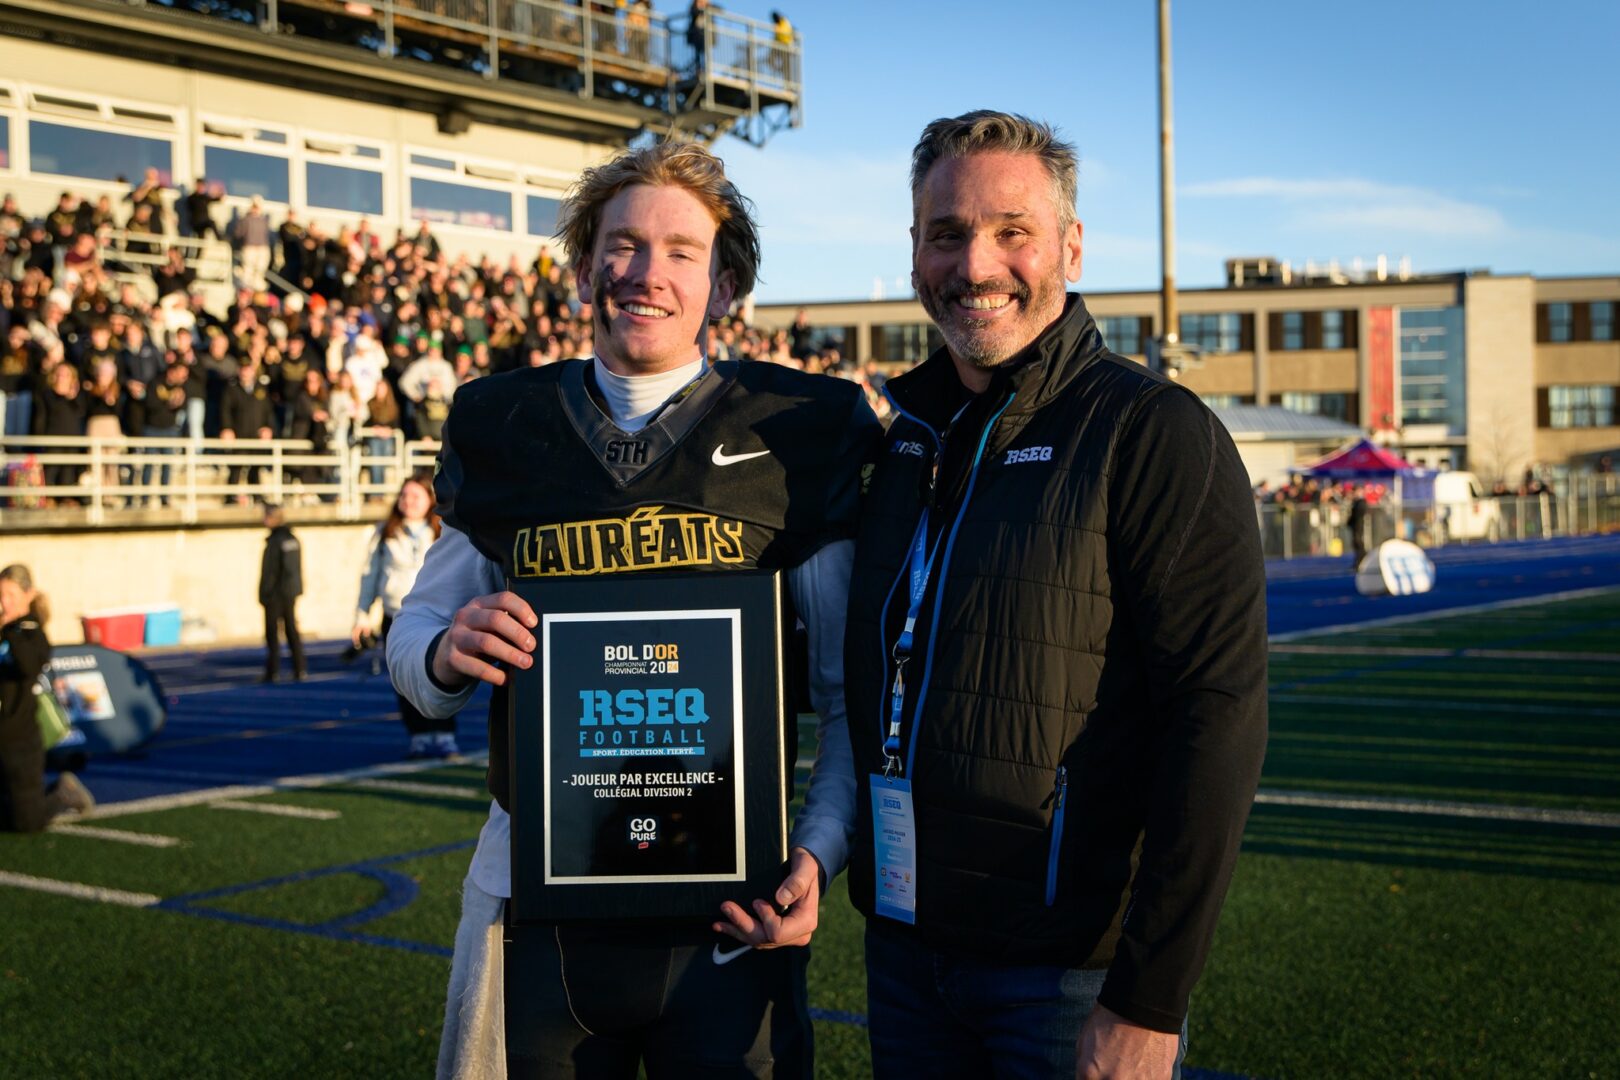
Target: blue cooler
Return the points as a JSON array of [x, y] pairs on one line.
[[163, 626]]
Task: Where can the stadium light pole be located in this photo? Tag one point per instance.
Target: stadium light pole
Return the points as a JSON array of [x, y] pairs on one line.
[[1169, 336]]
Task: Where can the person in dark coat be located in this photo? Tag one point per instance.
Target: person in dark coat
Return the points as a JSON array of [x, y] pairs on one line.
[[281, 583], [1358, 526], [245, 412], [25, 804]]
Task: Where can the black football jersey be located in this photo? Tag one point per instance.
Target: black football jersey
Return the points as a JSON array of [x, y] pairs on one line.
[[752, 466]]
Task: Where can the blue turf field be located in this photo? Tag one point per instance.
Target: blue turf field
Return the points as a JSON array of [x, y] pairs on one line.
[[224, 728]]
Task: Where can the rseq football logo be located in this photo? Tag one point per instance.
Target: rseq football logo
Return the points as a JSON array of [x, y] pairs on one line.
[[643, 832], [1029, 453]]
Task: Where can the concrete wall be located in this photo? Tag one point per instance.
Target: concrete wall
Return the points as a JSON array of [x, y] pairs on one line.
[[1499, 330], [212, 574]]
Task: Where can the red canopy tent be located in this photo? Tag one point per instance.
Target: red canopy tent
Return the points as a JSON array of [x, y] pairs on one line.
[[1363, 460]]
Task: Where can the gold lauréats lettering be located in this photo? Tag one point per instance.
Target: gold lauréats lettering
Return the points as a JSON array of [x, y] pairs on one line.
[[652, 538]]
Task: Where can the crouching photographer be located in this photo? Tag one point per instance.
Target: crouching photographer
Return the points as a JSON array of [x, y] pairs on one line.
[[25, 804]]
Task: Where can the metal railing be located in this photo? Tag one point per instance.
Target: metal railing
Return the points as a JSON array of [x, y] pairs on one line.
[[1578, 506], [623, 54], [57, 480]]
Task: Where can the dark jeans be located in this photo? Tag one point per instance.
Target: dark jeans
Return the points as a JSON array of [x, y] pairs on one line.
[[376, 446], [596, 1001], [22, 785], [409, 714], [163, 471], [280, 614], [941, 1015]]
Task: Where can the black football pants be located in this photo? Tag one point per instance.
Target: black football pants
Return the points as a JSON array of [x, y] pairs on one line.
[[596, 1002]]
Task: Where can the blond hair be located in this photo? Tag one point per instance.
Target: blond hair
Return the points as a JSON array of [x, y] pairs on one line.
[[24, 580], [683, 165], [986, 131]]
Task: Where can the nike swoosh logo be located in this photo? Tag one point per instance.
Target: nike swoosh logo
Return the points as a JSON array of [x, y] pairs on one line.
[[721, 958], [722, 458]]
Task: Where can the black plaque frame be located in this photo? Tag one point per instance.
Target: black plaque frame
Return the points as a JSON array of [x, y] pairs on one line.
[[755, 598]]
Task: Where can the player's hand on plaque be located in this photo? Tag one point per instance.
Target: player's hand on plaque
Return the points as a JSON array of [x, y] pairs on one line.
[[792, 919], [486, 631]]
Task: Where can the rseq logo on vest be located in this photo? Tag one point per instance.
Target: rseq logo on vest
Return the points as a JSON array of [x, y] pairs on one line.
[[909, 448], [1029, 453]]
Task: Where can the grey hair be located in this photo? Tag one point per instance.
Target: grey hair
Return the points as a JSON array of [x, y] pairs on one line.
[[985, 131]]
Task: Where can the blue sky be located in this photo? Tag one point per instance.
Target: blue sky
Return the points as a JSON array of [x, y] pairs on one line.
[[1458, 134]]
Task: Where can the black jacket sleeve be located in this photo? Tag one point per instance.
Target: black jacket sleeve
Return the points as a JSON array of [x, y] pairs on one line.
[[1185, 552]]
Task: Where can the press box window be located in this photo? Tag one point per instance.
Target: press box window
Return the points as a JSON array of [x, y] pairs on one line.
[[334, 187], [96, 155], [246, 174], [460, 204], [542, 215]]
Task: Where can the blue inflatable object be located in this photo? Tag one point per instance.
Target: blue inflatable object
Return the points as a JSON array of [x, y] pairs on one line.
[[114, 701]]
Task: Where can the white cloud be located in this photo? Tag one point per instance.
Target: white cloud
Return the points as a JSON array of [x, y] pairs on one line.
[[1361, 204]]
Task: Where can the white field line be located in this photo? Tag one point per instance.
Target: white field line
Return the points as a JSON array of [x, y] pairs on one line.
[[1398, 651], [78, 891], [1422, 616], [1485, 811], [279, 810], [248, 791], [407, 787], [122, 836], [209, 687], [1438, 705]]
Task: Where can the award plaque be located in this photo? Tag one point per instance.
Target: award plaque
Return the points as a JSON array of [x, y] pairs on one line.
[[648, 770]]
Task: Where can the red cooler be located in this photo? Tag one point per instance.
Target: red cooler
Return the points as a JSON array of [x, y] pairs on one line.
[[121, 630]]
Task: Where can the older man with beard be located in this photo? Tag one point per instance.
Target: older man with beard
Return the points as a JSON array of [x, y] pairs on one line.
[[1056, 655]]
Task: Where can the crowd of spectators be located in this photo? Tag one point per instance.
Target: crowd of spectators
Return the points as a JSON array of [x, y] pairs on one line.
[[365, 343]]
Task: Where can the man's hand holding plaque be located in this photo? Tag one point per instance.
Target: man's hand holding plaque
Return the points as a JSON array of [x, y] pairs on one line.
[[793, 919]]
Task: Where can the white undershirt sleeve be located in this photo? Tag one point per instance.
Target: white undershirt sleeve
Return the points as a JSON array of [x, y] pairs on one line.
[[820, 590]]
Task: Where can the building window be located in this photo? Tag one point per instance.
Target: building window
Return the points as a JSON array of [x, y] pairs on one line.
[[1333, 406], [1433, 368], [1122, 333], [445, 203], [428, 162], [1293, 330], [5, 142], [542, 215], [246, 174], [337, 187], [904, 343], [1560, 322], [1580, 406], [1332, 329], [1226, 401], [1602, 319], [67, 150], [1222, 333]]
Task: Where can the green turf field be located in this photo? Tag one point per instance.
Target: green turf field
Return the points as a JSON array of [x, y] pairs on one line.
[[1428, 887]]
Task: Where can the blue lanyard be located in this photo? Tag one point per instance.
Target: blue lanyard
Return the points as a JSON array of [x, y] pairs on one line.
[[921, 569]]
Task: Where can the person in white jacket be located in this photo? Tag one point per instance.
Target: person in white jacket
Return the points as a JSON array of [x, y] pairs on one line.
[[397, 550]]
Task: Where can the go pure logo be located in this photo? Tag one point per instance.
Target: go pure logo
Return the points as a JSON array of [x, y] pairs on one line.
[[643, 831], [1029, 453]]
